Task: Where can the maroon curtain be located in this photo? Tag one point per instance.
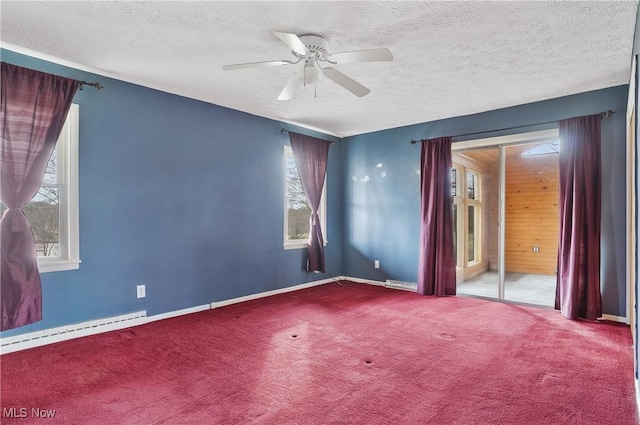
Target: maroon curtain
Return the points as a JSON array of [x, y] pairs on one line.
[[578, 281], [33, 108], [437, 265], [311, 156]]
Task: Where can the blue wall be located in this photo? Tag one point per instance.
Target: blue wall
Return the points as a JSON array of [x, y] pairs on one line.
[[186, 197], [381, 215], [183, 196]]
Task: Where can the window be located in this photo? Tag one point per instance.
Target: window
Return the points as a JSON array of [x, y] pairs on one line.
[[454, 181], [471, 184], [458, 204], [53, 211], [473, 217], [467, 206], [543, 149], [296, 209]]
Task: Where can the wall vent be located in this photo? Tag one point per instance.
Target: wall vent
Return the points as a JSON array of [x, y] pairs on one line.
[[399, 284], [62, 333]]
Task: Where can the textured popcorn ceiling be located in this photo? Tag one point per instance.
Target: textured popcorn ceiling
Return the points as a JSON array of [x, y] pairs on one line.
[[451, 58]]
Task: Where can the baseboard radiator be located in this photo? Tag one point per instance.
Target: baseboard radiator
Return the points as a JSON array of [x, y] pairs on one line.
[[62, 333], [399, 284]]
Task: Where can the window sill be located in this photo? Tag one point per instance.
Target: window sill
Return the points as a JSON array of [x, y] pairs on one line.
[[58, 266], [298, 245]]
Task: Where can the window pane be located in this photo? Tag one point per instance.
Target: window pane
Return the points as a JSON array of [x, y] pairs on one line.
[[294, 185], [43, 215], [298, 220], [471, 185], [455, 231], [298, 211], [454, 181], [51, 171], [471, 236]]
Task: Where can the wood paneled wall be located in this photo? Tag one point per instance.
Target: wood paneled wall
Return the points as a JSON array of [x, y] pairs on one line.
[[532, 212]]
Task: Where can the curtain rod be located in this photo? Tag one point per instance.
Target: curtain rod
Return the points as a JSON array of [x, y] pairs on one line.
[[96, 86], [284, 130], [602, 114]]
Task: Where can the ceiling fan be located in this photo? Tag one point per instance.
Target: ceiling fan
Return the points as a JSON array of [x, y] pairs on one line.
[[312, 52]]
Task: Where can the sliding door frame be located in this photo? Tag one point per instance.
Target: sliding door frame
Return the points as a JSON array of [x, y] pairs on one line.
[[502, 142], [502, 218], [631, 277]]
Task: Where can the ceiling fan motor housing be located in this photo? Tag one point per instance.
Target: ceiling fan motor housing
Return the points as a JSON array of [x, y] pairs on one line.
[[318, 46]]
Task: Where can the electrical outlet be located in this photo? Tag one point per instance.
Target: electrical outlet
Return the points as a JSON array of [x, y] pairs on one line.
[[141, 291], [376, 264]]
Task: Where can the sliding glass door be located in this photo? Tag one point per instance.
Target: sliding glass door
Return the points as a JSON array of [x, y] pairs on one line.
[[531, 222], [505, 208]]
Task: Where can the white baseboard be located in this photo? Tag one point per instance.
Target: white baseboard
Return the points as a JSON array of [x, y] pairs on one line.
[[614, 318], [367, 281], [93, 327], [218, 304], [177, 313], [609, 317]]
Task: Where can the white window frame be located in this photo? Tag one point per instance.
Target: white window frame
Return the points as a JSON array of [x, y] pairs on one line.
[[462, 202], [458, 201], [477, 225], [322, 210], [67, 176]]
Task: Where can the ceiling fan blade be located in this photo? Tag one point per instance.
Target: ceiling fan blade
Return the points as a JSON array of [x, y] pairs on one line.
[[291, 88], [373, 55], [348, 83], [255, 65], [294, 42]]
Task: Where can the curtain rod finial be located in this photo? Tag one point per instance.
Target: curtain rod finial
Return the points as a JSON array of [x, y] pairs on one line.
[[607, 114], [96, 86]]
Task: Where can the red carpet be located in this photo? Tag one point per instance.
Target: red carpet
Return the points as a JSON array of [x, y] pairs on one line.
[[334, 354]]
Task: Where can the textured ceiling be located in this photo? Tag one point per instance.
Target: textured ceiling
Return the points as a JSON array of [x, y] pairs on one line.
[[451, 58]]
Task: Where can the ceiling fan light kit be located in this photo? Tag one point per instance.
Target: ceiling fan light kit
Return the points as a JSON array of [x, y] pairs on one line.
[[312, 53]]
